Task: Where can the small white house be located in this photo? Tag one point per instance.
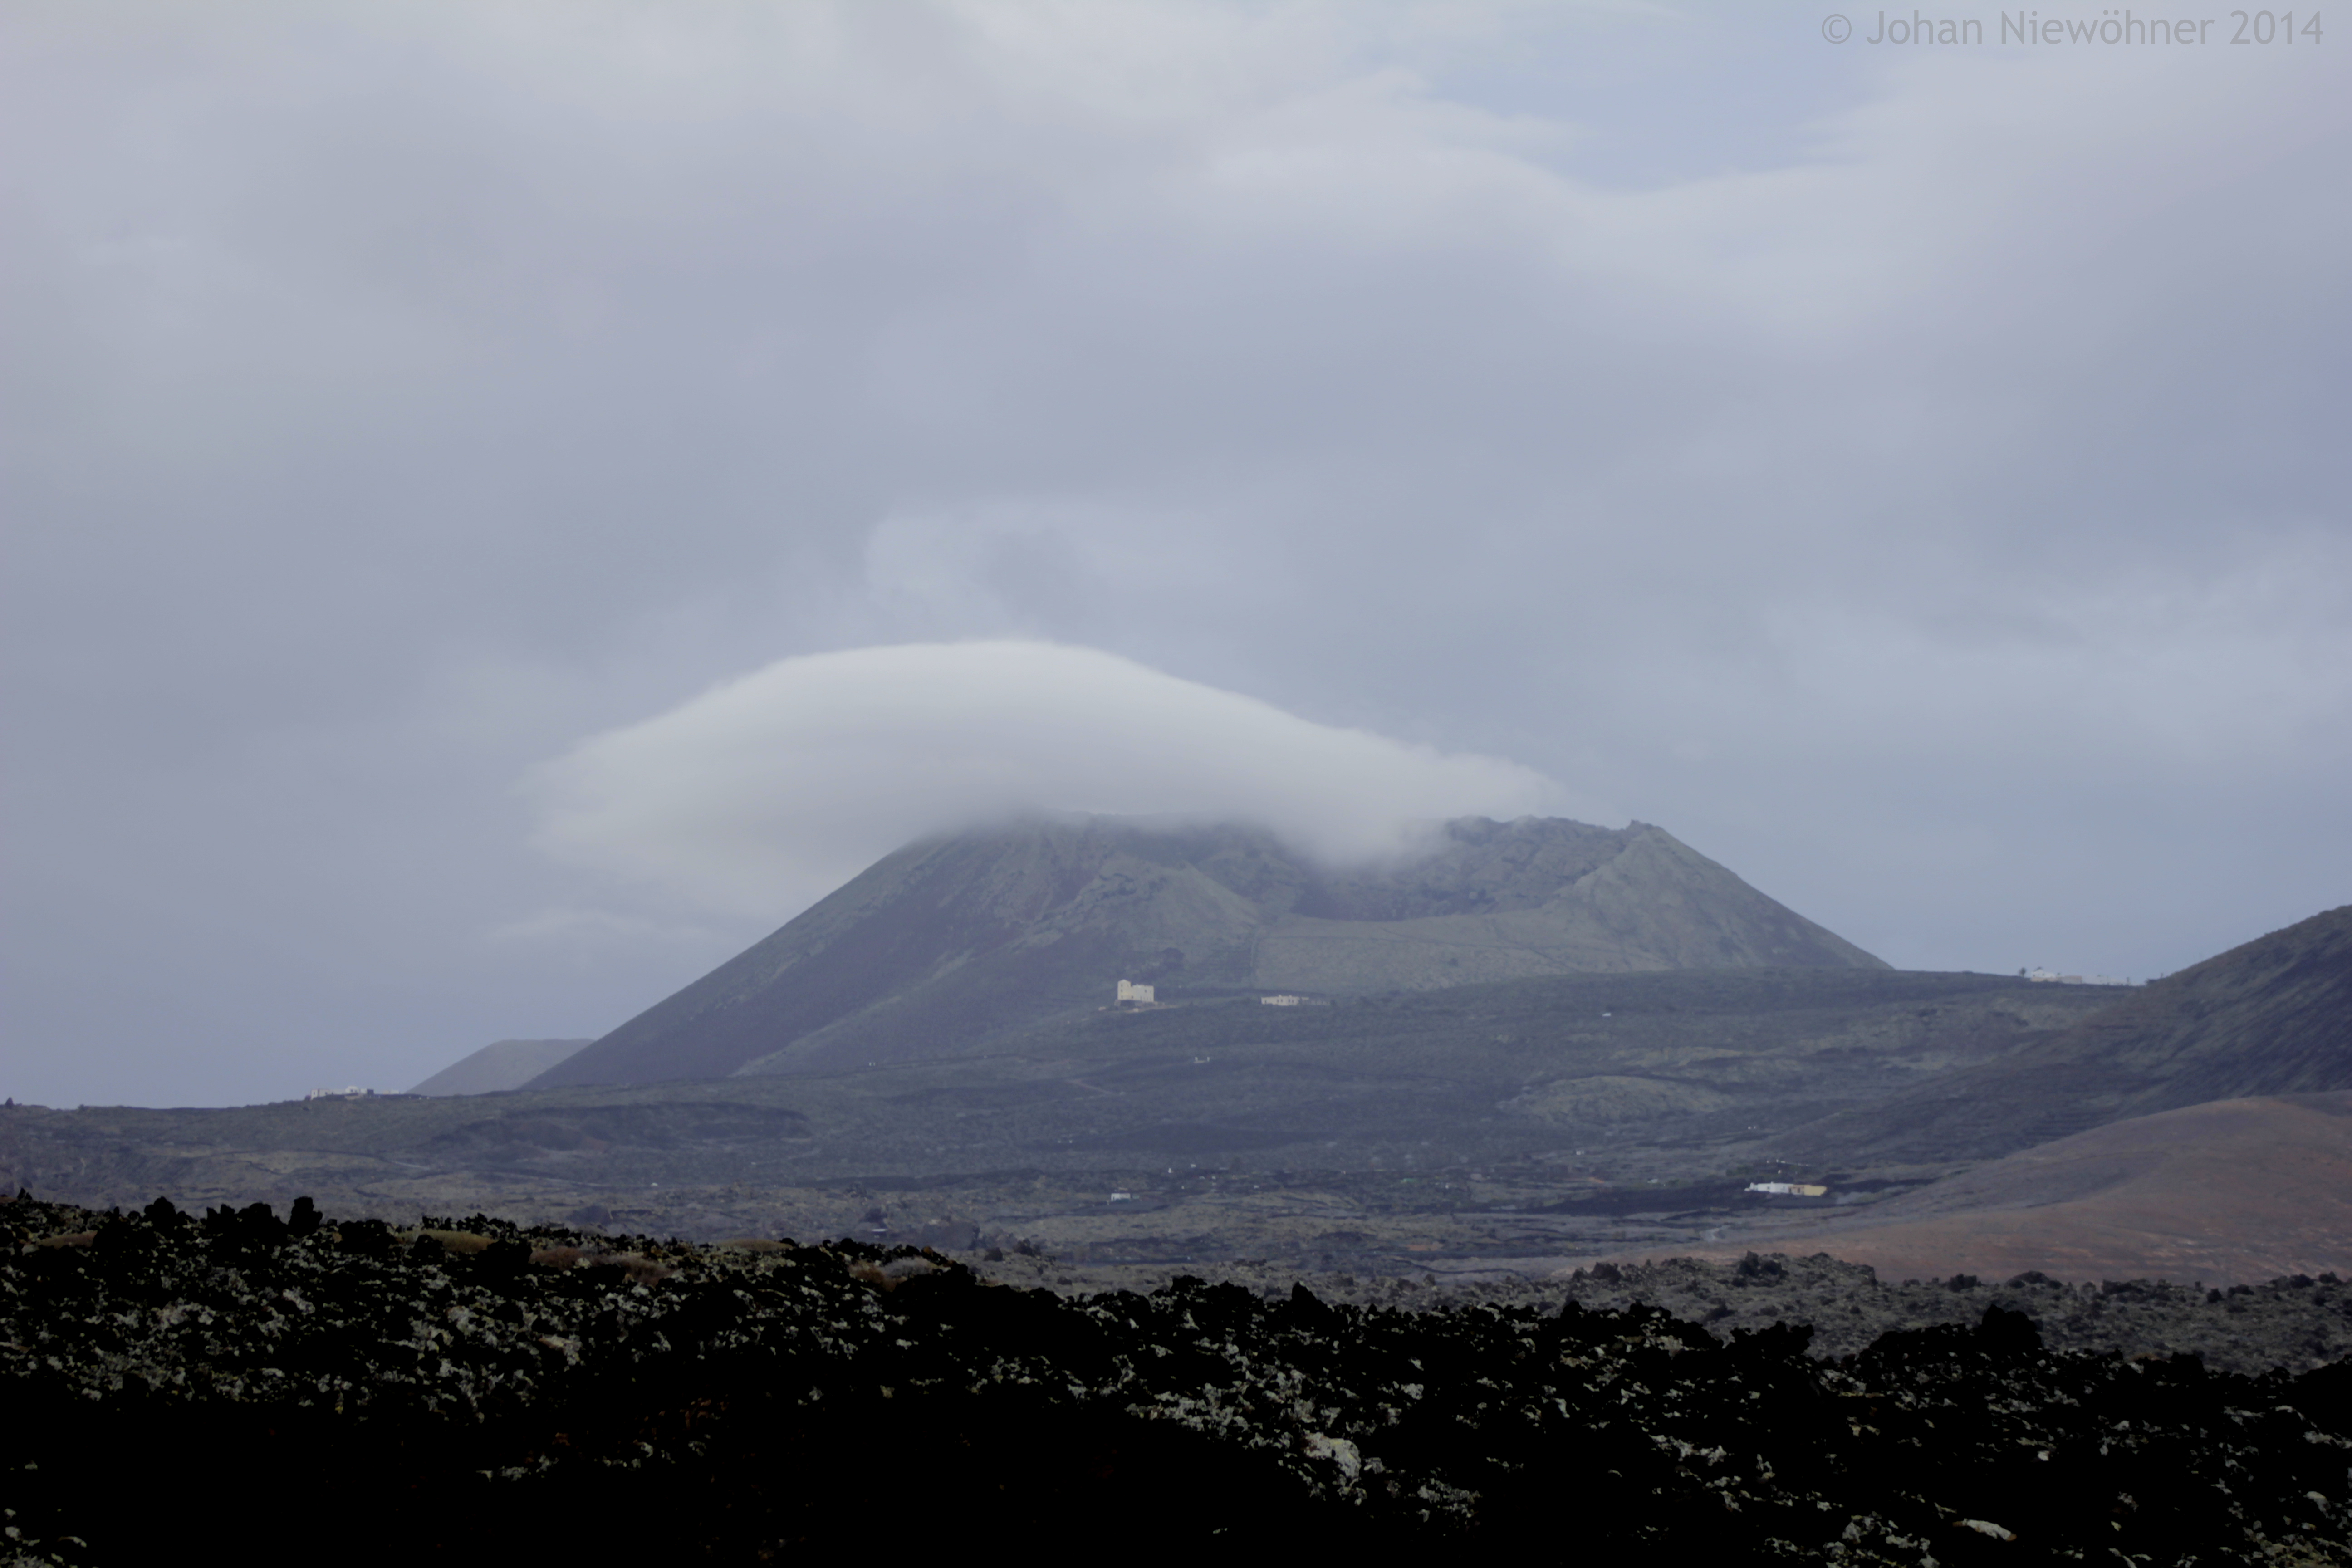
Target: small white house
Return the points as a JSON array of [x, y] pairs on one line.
[[1281, 1001], [1128, 991], [2051, 977]]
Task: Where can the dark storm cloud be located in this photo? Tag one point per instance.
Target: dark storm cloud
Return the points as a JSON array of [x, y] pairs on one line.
[[1908, 478]]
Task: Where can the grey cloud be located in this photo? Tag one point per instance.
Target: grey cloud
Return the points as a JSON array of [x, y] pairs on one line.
[[1910, 481]]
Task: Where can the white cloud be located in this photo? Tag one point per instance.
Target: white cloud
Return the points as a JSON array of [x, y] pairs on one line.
[[773, 789]]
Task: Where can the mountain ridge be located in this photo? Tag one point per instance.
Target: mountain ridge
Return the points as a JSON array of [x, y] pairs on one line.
[[2271, 1016], [948, 942], [501, 1065]]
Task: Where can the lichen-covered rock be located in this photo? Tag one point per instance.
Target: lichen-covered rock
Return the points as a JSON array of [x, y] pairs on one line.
[[291, 1386]]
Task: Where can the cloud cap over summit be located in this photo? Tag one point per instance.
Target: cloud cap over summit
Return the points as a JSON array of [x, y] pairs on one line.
[[765, 792]]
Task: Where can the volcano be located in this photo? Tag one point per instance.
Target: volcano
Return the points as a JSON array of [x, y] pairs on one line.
[[953, 943]]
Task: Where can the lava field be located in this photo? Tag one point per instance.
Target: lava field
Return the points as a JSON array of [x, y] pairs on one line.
[[472, 1391]]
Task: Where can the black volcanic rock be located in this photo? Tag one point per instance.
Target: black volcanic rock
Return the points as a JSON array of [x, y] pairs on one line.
[[947, 944], [489, 1394], [2270, 1017]]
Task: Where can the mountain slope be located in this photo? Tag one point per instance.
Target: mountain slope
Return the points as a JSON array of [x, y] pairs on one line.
[[2270, 1017], [947, 943], [2230, 1191], [501, 1065], [1656, 903]]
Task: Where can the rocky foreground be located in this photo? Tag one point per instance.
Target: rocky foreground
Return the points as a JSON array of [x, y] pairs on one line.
[[474, 1391], [2295, 1323]]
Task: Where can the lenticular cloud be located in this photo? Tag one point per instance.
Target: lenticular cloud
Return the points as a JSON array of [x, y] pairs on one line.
[[769, 790]]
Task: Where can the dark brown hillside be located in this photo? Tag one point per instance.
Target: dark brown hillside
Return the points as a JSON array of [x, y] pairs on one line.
[[2272, 1017], [2226, 1192], [947, 945]]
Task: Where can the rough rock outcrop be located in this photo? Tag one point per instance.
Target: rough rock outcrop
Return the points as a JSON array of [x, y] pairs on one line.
[[469, 1392]]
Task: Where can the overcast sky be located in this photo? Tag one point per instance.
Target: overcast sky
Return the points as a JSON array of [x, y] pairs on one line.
[[492, 490]]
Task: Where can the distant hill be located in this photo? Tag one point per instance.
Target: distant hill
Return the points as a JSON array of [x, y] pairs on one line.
[[502, 1064], [1675, 1073], [2232, 1191], [951, 942], [2272, 1017]]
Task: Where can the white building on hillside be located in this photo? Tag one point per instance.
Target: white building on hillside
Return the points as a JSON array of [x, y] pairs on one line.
[[2051, 977], [1128, 991]]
